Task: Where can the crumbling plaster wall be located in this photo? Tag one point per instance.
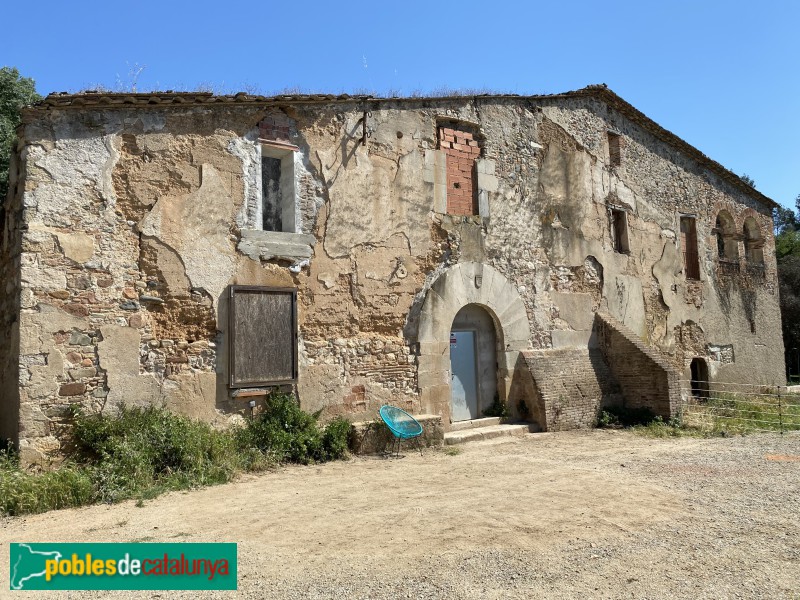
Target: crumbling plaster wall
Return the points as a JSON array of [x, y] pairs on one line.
[[134, 221], [127, 249], [647, 289]]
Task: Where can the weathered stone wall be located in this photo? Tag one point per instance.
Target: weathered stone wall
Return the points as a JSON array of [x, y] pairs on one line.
[[137, 219], [11, 221], [736, 306]]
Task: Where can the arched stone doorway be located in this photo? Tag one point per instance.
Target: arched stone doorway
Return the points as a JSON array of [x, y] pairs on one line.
[[473, 363], [464, 284]]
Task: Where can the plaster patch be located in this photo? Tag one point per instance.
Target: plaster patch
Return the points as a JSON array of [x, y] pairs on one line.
[[78, 247], [197, 227], [118, 356]]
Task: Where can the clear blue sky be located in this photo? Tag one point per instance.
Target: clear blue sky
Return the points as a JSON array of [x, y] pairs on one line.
[[724, 76]]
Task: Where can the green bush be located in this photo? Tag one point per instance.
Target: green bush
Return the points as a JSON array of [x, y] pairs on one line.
[[335, 438], [142, 452], [287, 433], [496, 409]]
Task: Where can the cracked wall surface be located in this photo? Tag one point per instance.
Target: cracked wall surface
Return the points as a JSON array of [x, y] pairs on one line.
[[128, 225]]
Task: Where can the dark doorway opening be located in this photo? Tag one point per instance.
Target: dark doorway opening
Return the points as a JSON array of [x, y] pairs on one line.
[[699, 382]]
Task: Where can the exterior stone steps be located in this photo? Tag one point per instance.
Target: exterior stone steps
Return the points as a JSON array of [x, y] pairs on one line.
[[484, 433], [483, 422], [572, 384]]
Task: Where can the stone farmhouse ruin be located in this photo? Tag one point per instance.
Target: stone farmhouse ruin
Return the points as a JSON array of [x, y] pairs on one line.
[[557, 253]]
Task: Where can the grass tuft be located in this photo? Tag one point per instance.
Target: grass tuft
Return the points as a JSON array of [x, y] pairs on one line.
[[722, 414], [731, 413]]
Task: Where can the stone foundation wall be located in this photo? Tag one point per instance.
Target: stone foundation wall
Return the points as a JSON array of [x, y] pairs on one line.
[[373, 437]]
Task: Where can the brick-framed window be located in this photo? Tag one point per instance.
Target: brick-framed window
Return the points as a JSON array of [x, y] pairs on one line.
[[278, 187], [691, 256], [727, 244], [462, 149], [263, 336]]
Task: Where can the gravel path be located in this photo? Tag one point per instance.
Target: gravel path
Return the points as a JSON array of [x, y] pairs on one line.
[[598, 514]]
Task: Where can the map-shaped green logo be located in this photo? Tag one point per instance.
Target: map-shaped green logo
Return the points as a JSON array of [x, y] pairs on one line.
[[28, 564]]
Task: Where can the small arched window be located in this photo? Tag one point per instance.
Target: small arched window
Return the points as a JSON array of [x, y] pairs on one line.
[[753, 244], [725, 230]]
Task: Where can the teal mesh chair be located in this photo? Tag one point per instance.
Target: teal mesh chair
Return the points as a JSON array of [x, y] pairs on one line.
[[402, 425]]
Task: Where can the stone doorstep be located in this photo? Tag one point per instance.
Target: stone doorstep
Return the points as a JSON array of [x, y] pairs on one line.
[[482, 422], [485, 433]]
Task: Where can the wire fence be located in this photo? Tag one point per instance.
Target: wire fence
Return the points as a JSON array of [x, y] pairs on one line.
[[739, 407]]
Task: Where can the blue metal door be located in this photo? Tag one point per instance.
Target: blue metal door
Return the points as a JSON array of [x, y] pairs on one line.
[[464, 383]]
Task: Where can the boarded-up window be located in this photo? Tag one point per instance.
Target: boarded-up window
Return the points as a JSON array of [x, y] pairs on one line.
[[263, 332], [691, 258]]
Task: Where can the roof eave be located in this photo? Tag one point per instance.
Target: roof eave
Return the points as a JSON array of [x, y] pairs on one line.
[[601, 92]]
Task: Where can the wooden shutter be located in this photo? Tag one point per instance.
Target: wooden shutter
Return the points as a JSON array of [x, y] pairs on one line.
[[263, 336]]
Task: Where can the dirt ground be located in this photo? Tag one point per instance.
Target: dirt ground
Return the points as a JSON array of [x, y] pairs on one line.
[[599, 514]]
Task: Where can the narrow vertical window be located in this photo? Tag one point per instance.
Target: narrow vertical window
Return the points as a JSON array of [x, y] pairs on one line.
[[619, 221], [271, 193], [614, 149], [278, 211], [691, 258]]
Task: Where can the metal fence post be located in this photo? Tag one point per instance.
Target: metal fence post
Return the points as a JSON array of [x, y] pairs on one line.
[[780, 411]]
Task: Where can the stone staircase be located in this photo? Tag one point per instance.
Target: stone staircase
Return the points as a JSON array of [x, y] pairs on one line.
[[483, 429], [646, 377], [573, 384]]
